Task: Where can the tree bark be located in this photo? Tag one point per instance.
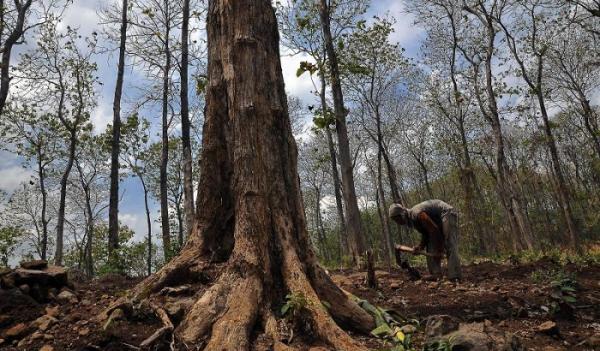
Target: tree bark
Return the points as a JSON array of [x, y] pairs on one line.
[[164, 156], [356, 237], [250, 215], [113, 207], [188, 185], [148, 225], [42, 175], [60, 221]]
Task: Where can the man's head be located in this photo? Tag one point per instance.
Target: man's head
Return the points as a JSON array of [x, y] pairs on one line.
[[399, 214]]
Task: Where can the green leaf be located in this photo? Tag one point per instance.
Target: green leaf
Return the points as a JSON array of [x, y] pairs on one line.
[[285, 308], [382, 330]]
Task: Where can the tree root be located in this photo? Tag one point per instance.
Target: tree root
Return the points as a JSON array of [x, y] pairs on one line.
[[166, 331]]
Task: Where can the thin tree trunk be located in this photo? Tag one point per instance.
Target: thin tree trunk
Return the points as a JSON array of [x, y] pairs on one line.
[[148, 224], [382, 211], [164, 159], [353, 222], [113, 207], [42, 176], [188, 185], [60, 221], [343, 237]]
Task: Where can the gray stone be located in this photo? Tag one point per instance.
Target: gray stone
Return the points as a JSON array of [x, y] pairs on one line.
[[35, 264], [66, 296], [439, 325], [408, 329]]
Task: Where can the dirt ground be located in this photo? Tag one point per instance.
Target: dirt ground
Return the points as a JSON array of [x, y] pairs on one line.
[[512, 298]]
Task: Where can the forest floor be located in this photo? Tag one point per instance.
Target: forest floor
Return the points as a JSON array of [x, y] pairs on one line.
[[511, 298]]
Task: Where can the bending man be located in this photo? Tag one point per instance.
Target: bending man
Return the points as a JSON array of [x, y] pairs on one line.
[[438, 224]]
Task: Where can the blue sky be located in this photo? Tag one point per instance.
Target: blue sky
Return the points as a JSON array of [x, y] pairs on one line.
[[83, 15]]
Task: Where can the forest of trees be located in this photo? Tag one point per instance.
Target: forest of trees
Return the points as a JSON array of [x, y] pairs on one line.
[[497, 114]]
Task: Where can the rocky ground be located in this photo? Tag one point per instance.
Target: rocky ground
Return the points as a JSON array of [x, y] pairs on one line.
[[536, 303]]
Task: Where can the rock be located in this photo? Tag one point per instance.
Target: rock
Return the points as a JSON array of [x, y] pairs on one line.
[[4, 320], [44, 322], [394, 285], [16, 332], [548, 328], [86, 302], [553, 348], [52, 311], [48, 337], [36, 335], [439, 325], [478, 337], [47, 348], [25, 288], [318, 348], [51, 276], [35, 264], [408, 329], [66, 296], [24, 342], [7, 281], [84, 331], [1, 341]]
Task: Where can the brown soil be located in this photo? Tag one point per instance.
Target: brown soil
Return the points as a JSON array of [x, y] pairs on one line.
[[507, 296]]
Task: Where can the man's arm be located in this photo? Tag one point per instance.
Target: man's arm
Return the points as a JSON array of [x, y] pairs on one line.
[[432, 230]]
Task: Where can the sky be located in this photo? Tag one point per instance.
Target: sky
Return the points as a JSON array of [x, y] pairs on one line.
[[83, 14]]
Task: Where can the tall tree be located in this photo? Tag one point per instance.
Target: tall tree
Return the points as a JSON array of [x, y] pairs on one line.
[[188, 184], [136, 135], [529, 46], [18, 17], [250, 214], [356, 235], [113, 210], [62, 71]]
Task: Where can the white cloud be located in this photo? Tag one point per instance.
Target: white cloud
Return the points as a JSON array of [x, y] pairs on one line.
[[137, 223], [101, 116], [10, 178]]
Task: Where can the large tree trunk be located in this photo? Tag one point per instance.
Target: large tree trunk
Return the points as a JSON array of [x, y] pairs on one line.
[[250, 214], [353, 223], [113, 207], [164, 156], [188, 185]]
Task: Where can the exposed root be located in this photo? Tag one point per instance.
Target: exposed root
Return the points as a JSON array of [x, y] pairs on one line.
[[165, 332]]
